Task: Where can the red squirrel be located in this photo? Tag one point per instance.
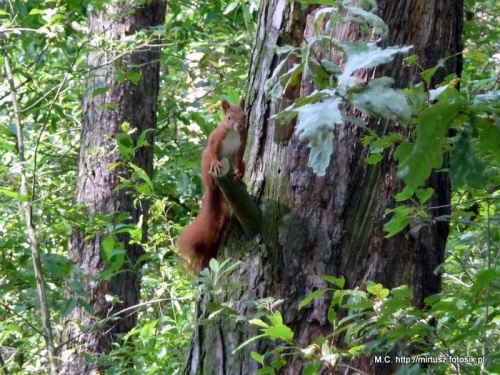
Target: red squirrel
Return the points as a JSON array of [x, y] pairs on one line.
[[199, 241]]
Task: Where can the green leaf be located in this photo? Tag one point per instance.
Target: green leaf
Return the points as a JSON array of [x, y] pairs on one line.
[[86, 306], [417, 98], [338, 296], [489, 137], [356, 349], [36, 11], [201, 121], [364, 56], [281, 50], [418, 161], [292, 77], [310, 297], [331, 67], [412, 59], [321, 13], [398, 222], [378, 24], [147, 329], [182, 183], [65, 227], [373, 159], [424, 194], [100, 91], [256, 356], [377, 289], [109, 106], [280, 332], [359, 305], [337, 281], [381, 101], [231, 7], [259, 323], [429, 73], [265, 371], [402, 292], [407, 193], [276, 93], [251, 339], [465, 167], [354, 120], [274, 78], [279, 363], [134, 77], [332, 315], [214, 265], [276, 319], [125, 145], [9, 193], [484, 278], [108, 245], [142, 174], [232, 95], [141, 141], [316, 123], [312, 369], [68, 306]]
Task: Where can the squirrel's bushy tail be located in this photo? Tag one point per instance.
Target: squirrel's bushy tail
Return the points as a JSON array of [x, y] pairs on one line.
[[199, 241]]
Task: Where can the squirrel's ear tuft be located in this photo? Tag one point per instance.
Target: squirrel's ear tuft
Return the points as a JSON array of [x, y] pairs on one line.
[[225, 105], [242, 102]]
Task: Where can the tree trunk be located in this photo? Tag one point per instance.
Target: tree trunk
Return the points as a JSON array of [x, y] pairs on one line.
[[331, 225], [103, 116]]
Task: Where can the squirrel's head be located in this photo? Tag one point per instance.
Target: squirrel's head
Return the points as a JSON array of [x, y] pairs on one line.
[[234, 115]]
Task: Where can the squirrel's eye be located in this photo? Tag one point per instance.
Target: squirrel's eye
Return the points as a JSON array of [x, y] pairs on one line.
[[228, 117]]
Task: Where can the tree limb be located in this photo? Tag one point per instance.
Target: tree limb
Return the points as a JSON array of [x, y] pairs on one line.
[[244, 208]]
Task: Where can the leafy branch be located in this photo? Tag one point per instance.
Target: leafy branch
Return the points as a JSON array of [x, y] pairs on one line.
[[319, 112]]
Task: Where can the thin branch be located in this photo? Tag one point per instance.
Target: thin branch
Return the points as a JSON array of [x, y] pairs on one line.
[[28, 214], [39, 99], [9, 30], [453, 205], [103, 321], [2, 365], [12, 311], [463, 267], [22, 84], [147, 303], [487, 309]]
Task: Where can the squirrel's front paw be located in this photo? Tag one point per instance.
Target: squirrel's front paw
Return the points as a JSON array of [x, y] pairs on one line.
[[215, 167], [237, 174]]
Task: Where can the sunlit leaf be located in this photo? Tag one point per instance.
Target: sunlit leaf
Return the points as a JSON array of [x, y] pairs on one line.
[[364, 56], [417, 161], [316, 123], [379, 100]]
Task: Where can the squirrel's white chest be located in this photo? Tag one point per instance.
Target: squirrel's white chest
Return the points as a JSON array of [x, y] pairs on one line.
[[230, 145]]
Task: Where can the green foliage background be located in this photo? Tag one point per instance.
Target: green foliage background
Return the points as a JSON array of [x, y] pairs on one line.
[[206, 51]]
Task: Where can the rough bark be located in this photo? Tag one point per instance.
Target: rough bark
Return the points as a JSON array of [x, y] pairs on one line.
[[96, 186], [332, 225]]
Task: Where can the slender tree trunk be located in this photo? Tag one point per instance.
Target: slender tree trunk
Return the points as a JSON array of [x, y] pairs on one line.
[[332, 225], [30, 226], [103, 116]]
